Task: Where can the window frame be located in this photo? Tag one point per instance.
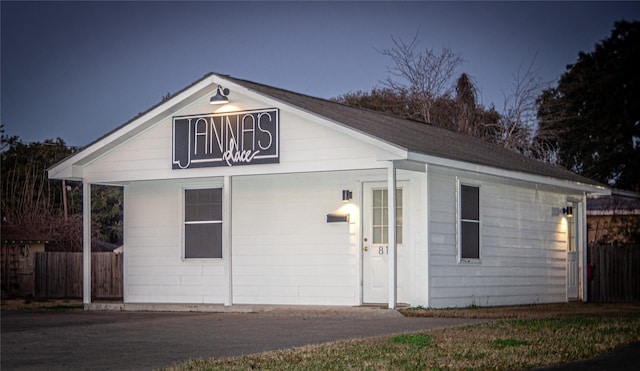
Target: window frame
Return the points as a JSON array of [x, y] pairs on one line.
[[184, 222], [460, 221], [384, 208]]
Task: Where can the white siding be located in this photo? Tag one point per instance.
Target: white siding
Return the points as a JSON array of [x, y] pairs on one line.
[[523, 245], [154, 269], [284, 251], [304, 146]]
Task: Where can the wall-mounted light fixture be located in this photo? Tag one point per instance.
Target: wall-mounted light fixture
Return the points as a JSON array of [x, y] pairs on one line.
[[221, 96], [347, 195], [568, 211]]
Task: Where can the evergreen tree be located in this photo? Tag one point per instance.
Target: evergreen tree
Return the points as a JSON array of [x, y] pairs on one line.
[[595, 109]]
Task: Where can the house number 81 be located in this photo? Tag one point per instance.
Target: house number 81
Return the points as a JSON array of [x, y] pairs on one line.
[[381, 250]]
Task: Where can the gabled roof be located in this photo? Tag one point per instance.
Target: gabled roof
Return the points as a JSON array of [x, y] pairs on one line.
[[415, 137]]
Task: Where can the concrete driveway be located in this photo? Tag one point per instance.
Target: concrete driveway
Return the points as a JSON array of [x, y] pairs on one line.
[[91, 340]]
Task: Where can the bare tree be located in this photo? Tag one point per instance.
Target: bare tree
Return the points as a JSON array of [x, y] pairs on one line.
[[32, 202], [519, 125], [552, 119], [424, 76]]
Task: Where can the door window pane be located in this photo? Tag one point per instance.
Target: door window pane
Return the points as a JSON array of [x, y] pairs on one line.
[[377, 216], [377, 235], [571, 232], [380, 216]]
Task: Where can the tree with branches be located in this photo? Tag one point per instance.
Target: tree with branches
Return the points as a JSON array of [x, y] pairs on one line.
[[466, 105], [38, 205], [519, 123], [595, 110], [424, 76]]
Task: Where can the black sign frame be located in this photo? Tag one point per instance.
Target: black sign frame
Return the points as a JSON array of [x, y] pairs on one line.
[[226, 139]]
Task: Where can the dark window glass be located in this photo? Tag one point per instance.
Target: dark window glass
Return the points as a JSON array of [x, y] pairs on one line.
[[470, 205], [203, 223], [469, 222], [203, 240], [203, 205], [470, 240]]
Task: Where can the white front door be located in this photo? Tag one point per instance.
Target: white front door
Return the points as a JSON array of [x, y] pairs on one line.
[[573, 271], [375, 248]]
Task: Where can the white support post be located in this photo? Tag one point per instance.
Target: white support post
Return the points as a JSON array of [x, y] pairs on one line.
[[227, 253], [393, 256], [86, 244], [427, 241], [583, 249]]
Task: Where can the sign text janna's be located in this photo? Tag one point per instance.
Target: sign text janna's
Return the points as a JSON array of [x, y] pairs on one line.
[[226, 139]]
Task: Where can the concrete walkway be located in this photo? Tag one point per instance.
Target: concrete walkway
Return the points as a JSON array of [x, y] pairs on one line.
[[119, 340], [367, 311]]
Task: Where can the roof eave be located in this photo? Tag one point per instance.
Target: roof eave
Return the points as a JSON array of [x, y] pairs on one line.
[[71, 167], [511, 174]]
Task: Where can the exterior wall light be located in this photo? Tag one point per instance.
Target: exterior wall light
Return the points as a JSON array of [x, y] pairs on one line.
[[568, 211], [347, 195], [221, 96]]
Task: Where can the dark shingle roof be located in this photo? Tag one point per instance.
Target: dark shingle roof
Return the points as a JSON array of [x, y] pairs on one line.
[[620, 201], [416, 136]]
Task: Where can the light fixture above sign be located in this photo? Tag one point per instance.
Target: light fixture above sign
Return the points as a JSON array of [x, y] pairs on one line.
[[221, 96]]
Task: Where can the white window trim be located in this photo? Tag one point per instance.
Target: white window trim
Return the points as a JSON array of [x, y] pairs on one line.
[[470, 183], [184, 188]]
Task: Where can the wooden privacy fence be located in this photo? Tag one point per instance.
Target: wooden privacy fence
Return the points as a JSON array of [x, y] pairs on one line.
[[59, 275], [615, 274]]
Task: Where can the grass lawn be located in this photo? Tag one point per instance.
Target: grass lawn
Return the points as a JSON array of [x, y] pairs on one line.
[[515, 338]]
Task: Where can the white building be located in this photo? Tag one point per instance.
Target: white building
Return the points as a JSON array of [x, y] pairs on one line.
[[242, 203]]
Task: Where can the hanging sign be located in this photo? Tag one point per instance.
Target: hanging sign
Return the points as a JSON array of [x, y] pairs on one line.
[[226, 139]]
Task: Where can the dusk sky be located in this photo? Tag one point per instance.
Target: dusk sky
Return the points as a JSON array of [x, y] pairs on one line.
[[77, 70]]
